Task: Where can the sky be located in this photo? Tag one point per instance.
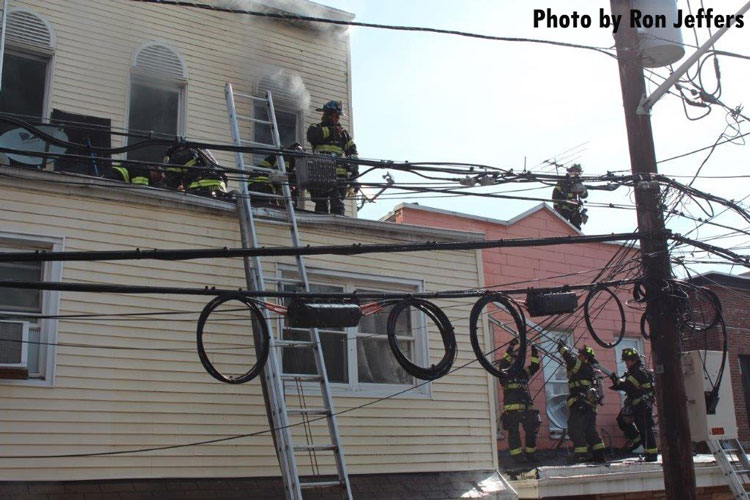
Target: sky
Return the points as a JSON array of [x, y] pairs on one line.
[[430, 97]]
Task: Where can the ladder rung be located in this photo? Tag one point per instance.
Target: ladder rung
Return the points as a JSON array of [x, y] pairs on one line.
[[258, 120], [243, 117], [266, 195], [320, 484], [742, 471], [293, 343], [271, 279], [315, 447], [308, 411], [313, 377], [259, 144], [255, 98]]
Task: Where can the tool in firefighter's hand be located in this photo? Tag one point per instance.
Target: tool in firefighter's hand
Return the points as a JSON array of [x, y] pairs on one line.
[[578, 188], [584, 216], [613, 376]]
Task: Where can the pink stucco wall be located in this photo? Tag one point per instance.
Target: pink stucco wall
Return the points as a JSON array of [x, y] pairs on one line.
[[537, 267]]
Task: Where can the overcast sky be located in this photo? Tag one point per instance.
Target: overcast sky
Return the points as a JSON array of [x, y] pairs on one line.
[[429, 97]]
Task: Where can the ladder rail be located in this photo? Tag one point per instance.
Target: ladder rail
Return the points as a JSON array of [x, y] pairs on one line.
[[724, 460], [274, 377], [315, 337], [254, 277]]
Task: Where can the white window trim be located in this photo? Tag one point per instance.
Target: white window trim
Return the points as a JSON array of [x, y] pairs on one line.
[[146, 78], [353, 388], [50, 307], [618, 352], [48, 55]]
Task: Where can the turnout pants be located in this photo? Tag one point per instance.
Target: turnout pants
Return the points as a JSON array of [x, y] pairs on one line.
[[336, 198], [637, 423], [530, 420], [582, 431]]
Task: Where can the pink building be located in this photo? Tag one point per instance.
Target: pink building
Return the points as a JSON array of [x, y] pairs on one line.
[[550, 266]]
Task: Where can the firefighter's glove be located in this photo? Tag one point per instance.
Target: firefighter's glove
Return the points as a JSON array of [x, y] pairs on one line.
[[512, 345], [614, 378], [534, 352], [560, 345]]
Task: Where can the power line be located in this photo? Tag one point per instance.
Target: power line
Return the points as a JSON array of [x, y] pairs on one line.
[[296, 17]]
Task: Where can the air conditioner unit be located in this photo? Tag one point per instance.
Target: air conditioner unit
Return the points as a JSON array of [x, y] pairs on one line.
[[14, 338], [701, 369]]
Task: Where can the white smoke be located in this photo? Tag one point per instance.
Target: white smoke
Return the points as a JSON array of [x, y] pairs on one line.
[[286, 86], [298, 7]]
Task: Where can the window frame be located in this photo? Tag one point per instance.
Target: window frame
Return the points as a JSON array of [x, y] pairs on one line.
[[352, 282], [137, 75], [551, 338], [621, 367], [51, 271], [29, 51]]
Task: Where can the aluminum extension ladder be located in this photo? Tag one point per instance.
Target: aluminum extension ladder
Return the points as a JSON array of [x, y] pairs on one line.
[[273, 378], [733, 462]]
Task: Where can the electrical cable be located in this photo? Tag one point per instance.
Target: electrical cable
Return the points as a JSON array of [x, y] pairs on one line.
[[260, 334], [507, 304], [587, 316], [338, 22], [447, 334]]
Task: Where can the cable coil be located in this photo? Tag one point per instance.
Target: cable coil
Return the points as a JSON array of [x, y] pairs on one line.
[[260, 335], [510, 306], [446, 333], [586, 315]]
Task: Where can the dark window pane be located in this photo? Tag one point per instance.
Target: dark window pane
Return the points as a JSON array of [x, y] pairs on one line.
[[302, 361], [153, 109], [378, 322], [16, 299], [286, 121], [24, 81], [89, 131]]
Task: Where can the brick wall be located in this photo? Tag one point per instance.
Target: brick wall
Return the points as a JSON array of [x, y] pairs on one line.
[[735, 304]]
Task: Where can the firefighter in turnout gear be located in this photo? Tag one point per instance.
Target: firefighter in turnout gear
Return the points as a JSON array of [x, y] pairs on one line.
[[329, 138], [518, 408], [636, 417], [582, 400], [260, 183], [568, 195], [195, 171]]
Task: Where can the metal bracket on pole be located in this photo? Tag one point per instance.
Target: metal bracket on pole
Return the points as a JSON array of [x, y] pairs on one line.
[[644, 107]]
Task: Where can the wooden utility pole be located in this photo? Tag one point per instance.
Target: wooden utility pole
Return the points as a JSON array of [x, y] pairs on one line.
[[674, 427]]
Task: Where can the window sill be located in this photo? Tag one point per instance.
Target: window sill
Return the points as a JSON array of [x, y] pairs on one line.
[[13, 373], [338, 391]]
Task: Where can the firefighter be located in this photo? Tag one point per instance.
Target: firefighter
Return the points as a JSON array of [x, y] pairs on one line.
[[568, 195], [195, 171], [329, 138], [147, 175], [582, 400], [636, 417], [259, 183], [518, 408]]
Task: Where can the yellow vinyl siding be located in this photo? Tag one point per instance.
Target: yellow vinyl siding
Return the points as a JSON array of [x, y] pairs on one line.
[[119, 399]]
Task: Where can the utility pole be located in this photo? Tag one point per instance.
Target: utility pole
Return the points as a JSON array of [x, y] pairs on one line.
[[674, 428]]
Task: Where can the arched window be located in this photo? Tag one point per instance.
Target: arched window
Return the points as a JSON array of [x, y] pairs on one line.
[[158, 80], [290, 98], [26, 65]]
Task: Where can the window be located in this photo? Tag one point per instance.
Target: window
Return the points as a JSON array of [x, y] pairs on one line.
[[31, 304], [286, 121], [290, 98], [359, 358], [626, 342], [556, 382], [27, 61], [157, 97]]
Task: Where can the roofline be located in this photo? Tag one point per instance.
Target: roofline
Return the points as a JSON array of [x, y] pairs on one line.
[[722, 279], [97, 188]]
